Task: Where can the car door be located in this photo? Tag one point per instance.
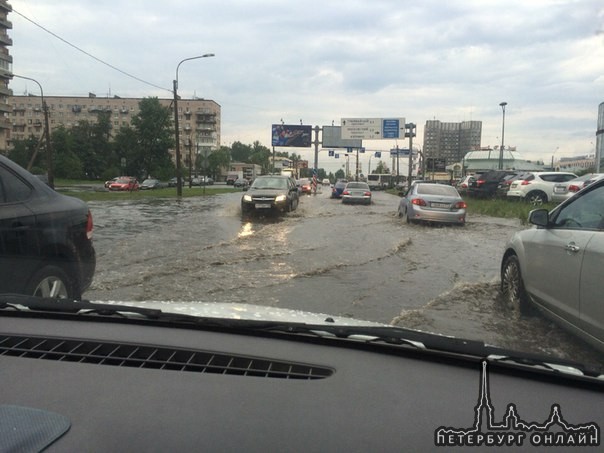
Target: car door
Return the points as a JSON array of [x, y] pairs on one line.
[[18, 237], [561, 273]]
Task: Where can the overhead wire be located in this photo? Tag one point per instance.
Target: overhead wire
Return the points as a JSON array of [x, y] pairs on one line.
[[88, 53]]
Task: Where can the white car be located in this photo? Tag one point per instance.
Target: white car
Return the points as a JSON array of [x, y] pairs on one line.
[[537, 187], [564, 190]]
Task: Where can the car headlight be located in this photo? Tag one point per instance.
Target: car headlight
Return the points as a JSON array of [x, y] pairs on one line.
[[280, 198], [247, 198]]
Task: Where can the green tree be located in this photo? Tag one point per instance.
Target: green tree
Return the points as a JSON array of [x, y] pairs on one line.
[[381, 168], [261, 155], [66, 163], [23, 150], [154, 129], [240, 152], [340, 174], [218, 160]]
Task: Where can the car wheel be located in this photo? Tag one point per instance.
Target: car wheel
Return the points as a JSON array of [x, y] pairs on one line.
[[406, 216], [536, 198], [514, 295], [52, 281]]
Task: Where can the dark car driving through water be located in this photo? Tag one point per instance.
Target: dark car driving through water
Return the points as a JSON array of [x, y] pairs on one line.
[[271, 193]]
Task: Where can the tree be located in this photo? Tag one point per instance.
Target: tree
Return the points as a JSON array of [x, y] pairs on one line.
[[381, 168], [218, 160], [23, 150], [154, 129], [66, 163], [240, 152], [340, 174]]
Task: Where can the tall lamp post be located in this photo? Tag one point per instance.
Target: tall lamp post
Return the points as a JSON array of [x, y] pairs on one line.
[[49, 165], [502, 104], [176, 132]]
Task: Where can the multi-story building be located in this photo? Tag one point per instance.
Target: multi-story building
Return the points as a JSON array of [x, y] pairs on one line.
[[6, 67], [198, 119], [451, 141]]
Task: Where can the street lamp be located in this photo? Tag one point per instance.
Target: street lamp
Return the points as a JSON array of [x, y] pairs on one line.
[[176, 133], [50, 171], [502, 104]]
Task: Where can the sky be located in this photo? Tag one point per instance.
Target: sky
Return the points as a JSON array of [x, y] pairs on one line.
[[316, 62]]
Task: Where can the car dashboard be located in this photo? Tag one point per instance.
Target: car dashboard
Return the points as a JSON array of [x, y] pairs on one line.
[[140, 386]]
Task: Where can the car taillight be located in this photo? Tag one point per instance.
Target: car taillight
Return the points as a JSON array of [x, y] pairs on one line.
[[464, 186], [573, 188], [418, 202], [460, 205], [525, 182], [345, 193], [480, 182], [89, 225], [367, 194]]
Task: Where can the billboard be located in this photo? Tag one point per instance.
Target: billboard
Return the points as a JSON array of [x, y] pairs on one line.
[[296, 135], [373, 128], [332, 138]]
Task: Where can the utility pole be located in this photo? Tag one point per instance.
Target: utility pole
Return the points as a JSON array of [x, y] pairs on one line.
[[410, 132]]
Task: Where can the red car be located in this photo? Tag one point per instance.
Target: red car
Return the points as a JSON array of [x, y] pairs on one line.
[[304, 185], [124, 183]]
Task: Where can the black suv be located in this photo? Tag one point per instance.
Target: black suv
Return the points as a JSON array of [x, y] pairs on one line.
[[271, 193], [486, 184], [45, 238]]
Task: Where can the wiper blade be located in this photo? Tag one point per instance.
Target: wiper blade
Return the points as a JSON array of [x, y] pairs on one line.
[[15, 301]]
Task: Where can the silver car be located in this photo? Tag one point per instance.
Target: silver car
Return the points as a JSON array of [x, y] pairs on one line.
[[431, 202], [565, 190], [557, 265], [356, 192]]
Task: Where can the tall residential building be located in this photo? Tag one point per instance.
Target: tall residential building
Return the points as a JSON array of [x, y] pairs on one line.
[[6, 68], [451, 141], [198, 119]]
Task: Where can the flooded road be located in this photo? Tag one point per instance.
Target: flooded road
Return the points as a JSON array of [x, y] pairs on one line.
[[355, 261]]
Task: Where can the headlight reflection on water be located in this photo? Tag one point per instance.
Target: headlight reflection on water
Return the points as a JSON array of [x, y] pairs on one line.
[[246, 230]]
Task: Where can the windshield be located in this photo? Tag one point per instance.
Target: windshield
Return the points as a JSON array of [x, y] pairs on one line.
[[378, 93]]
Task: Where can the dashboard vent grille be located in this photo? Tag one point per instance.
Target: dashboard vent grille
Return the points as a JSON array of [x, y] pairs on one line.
[[144, 356]]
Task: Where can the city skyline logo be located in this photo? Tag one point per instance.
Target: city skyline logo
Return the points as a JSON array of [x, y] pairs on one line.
[[512, 430]]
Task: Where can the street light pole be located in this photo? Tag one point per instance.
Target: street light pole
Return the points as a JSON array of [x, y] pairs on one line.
[[49, 164], [176, 132], [500, 166]]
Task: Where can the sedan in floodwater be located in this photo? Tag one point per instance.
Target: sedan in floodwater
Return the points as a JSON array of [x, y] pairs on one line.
[[356, 192], [432, 203]]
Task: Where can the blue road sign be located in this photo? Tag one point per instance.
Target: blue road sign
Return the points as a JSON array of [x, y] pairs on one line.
[[390, 128], [331, 152], [378, 154]]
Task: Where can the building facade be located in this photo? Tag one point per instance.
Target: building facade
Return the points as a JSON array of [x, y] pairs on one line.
[[198, 119], [451, 141], [6, 68]]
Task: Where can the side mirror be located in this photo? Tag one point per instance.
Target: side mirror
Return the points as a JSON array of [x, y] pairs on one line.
[[539, 217]]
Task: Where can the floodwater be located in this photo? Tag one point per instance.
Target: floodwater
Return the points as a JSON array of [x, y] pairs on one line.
[[325, 257]]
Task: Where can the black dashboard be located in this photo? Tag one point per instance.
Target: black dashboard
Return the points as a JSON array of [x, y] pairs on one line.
[[138, 387]]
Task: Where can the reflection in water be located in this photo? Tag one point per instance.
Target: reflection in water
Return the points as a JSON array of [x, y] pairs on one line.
[[246, 230]]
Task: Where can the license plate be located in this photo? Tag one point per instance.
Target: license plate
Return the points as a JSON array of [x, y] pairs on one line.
[[558, 189], [262, 206], [439, 205]]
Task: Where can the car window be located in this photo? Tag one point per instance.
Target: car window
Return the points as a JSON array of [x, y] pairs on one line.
[[12, 188], [436, 189], [585, 212]]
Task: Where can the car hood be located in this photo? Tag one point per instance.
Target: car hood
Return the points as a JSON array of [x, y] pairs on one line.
[[266, 192], [245, 311]]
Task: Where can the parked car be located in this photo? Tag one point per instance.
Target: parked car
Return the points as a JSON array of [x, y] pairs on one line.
[[430, 202], [124, 183], [241, 182], [595, 177], [45, 237], [207, 181], [150, 184], [270, 193], [111, 181], [304, 185], [326, 182], [486, 184], [557, 265], [506, 182], [537, 187], [564, 190], [462, 185], [338, 188], [356, 192]]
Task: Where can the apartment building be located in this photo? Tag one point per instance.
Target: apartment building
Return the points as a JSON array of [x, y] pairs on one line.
[[6, 67], [451, 141], [198, 119]]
